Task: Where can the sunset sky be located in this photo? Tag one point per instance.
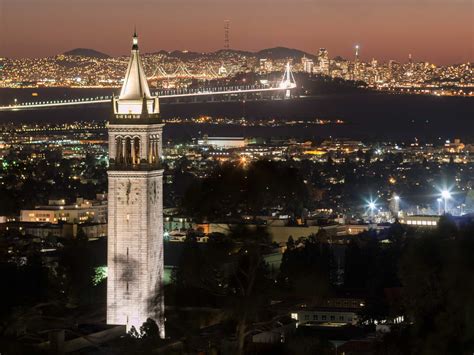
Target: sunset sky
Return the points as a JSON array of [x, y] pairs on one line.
[[440, 31]]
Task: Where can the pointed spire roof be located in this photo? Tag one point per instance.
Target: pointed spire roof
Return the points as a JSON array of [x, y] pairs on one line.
[[135, 86]]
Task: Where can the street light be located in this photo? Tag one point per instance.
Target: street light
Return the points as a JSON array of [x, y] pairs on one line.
[[445, 194], [371, 205], [395, 205], [439, 199]]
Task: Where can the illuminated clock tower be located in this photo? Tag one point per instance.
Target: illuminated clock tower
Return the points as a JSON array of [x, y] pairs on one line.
[[135, 221]]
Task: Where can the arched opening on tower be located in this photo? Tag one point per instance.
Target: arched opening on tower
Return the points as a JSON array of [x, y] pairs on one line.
[[154, 150], [136, 150], [128, 151], [118, 150]]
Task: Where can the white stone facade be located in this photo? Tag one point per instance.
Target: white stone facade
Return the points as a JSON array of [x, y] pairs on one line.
[[135, 216], [135, 248], [141, 141]]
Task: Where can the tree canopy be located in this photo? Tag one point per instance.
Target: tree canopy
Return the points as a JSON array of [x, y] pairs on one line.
[[232, 191]]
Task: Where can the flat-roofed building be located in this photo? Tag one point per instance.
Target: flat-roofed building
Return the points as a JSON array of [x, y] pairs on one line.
[[428, 221], [321, 315], [58, 211], [338, 311], [223, 142]]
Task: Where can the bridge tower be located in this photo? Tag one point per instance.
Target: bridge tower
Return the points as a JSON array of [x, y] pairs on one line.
[[135, 220], [226, 34], [287, 81]]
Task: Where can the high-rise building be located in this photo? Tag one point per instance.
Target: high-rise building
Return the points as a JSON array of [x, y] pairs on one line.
[[355, 71], [266, 65], [135, 220], [323, 61], [308, 64], [374, 73]]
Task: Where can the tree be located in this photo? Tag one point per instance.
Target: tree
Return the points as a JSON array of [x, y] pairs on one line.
[[149, 330], [355, 266], [199, 273], [144, 341], [437, 273], [76, 270], [249, 284], [232, 272], [232, 191], [372, 267], [305, 269]]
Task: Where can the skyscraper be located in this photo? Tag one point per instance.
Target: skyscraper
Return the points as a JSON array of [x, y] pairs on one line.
[[323, 61], [135, 220], [356, 68], [308, 65]]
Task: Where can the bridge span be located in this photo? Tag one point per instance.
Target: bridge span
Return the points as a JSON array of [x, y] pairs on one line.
[[163, 95], [286, 84]]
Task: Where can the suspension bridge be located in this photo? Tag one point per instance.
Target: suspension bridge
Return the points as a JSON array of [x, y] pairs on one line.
[[285, 85], [182, 72]]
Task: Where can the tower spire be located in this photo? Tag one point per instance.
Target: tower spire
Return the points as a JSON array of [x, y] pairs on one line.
[[135, 40], [135, 85]]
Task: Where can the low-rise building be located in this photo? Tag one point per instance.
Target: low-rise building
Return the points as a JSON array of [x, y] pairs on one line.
[[428, 221], [44, 230], [58, 211], [326, 315], [333, 311], [223, 142]]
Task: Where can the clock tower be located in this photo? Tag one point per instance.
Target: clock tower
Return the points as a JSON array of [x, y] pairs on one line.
[[135, 220]]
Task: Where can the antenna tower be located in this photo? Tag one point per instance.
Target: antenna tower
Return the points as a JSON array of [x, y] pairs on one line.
[[226, 34]]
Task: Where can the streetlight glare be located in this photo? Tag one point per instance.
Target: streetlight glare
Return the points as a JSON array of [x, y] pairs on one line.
[[445, 194]]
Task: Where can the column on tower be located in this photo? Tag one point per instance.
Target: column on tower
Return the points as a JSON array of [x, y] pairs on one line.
[[137, 150], [118, 145], [160, 148], [142, 151], [153, 150], [150, 150], [156, 149], [132, 151], [123, 154]]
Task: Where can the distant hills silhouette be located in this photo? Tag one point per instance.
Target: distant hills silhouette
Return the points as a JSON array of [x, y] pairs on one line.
[[270, 53], [87, 52]]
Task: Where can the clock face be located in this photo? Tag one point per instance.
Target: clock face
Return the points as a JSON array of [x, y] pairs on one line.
[[128, 193]]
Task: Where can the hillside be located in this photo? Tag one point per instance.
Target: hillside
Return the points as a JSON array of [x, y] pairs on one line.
[[87, 52]]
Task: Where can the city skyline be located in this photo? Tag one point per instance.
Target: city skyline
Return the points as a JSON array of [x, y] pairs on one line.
[[435, 31], [313, 197]]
